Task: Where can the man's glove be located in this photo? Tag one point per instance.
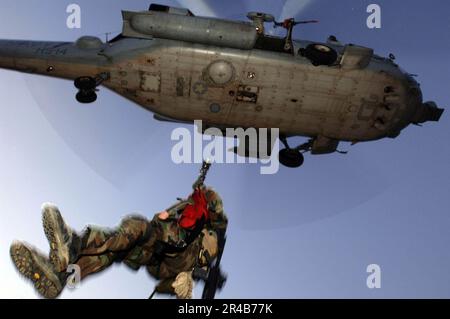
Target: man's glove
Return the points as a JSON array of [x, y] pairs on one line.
[[183, 285], [193, 213]]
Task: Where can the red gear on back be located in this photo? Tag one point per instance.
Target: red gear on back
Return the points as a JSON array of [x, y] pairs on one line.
[[193, 213]]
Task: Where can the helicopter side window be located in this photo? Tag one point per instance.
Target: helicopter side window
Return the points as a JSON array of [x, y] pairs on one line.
[[270, 43]]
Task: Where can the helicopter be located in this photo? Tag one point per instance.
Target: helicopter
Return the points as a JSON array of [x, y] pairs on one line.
[[233, 74]]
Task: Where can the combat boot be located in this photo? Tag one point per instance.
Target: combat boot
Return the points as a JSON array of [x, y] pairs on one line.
[[37, 268], [64, 242]]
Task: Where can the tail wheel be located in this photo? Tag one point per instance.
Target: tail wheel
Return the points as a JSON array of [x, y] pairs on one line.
[[85, 83], [87, 87], [86, 97], [320, 54]]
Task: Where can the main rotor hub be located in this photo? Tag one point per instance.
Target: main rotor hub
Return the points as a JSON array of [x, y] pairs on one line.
[[259, 18]]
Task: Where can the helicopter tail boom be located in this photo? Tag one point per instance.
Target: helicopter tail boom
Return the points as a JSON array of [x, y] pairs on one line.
[[57, 59]]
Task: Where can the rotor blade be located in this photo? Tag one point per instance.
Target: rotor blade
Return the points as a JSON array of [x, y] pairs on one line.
[[199, 7]]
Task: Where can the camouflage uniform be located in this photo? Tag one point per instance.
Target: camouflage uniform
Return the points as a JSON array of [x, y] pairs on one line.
[[134, 242]]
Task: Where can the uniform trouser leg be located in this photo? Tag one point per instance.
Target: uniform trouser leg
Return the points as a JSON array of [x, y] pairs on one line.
[[94, 264], [100, 247]]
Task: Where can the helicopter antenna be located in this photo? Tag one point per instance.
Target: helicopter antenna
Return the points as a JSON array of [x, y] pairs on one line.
[[107, 36]]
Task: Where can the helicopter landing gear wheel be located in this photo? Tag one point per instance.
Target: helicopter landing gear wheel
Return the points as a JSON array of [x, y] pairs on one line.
[[86, 97], [87, 87], [291, 158], [85, 83]]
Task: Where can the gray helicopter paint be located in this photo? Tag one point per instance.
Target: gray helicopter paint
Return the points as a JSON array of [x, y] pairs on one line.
[[292, 94], [209, 31], [180, 80]]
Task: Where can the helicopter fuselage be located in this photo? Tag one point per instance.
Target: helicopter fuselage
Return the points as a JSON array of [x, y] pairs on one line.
[[361, 97]]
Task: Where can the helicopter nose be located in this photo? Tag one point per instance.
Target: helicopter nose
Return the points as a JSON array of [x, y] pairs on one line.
[[424, 112], [427, 112]]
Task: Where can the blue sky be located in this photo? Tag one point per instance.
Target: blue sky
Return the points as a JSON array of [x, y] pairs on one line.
[[305, 233]]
